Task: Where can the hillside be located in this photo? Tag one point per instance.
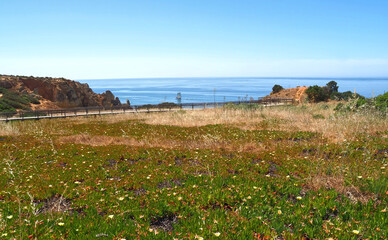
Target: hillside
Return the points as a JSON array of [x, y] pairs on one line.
[[51, 93], [298, 94]]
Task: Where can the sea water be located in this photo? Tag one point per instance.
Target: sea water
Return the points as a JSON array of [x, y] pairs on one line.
[[193, 90]]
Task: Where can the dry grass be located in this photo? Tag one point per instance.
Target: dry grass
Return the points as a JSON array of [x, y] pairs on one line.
[[337, 182], [335, 127], [204, 143], [8, 129]]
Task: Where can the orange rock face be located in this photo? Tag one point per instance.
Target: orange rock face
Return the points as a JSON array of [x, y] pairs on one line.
[[59, 91], [298, 94]]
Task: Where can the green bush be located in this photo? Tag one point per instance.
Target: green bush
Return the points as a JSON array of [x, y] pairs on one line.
[[277, 88], [10, 101], [318, 116], [317, 94], [381, 102]]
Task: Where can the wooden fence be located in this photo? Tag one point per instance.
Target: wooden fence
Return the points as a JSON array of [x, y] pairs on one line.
[[95, 111]]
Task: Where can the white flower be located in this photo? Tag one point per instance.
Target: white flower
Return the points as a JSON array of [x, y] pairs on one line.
[[10, 217], [121, 198], [179, 198], [359, 177], [299, 197], [356, 231], [110, 216], [217, 234], [61, 224]]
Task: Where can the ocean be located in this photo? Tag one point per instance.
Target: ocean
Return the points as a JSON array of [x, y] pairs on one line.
[[157, 90]]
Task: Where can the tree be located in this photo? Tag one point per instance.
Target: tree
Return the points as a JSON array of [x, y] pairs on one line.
[[277, 88], [332, 87], [317, 94]]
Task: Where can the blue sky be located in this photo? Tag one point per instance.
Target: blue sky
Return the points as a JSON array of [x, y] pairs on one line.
[[81, 39]]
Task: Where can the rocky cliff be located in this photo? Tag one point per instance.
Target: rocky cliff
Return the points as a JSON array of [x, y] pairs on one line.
[[63, 93], [298, 94]]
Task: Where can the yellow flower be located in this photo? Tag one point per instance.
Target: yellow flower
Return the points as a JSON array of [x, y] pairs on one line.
[[217, 234], [10, 217], [356, 231], [110, 216], [121, 198], [179, 198], [359, 177], [279, 212], [299, 197], [61, 224]]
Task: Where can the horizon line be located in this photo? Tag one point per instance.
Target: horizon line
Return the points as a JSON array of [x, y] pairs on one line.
[[123, 78]]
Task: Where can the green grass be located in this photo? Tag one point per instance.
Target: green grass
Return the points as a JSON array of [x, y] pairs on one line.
[[143, 192]]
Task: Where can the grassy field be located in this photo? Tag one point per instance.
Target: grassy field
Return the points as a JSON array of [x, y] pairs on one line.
[[286, 172]]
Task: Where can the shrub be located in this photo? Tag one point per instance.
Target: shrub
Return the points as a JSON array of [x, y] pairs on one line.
[[317, 94], [318, 116], [381, 102], [10, 101], [276, 88]]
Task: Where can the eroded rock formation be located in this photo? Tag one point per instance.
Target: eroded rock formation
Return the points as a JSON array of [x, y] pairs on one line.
[[62, 92]]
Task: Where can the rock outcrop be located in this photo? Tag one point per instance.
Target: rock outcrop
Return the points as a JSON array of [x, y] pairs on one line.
[[298, 94], [62, 92]]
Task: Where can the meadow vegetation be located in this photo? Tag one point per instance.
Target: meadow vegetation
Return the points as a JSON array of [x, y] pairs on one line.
[[238, 172]]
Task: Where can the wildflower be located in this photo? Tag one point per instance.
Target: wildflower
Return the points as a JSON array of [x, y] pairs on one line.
[[121, 198], [50, 186], [356, 232], [149, 176], [279, 212], [217, 234], [384, 210], [288, 176], [179, 198], [299, 197], [359, 177], [268, 175], [10, 217], [249, 197], [110, 216], [4, 234], [61, 224], [77, 182]]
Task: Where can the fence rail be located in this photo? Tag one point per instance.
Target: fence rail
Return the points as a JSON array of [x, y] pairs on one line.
[[95, 111]]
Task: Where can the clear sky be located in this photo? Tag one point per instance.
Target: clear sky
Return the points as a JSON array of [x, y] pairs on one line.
[[81, 39]]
